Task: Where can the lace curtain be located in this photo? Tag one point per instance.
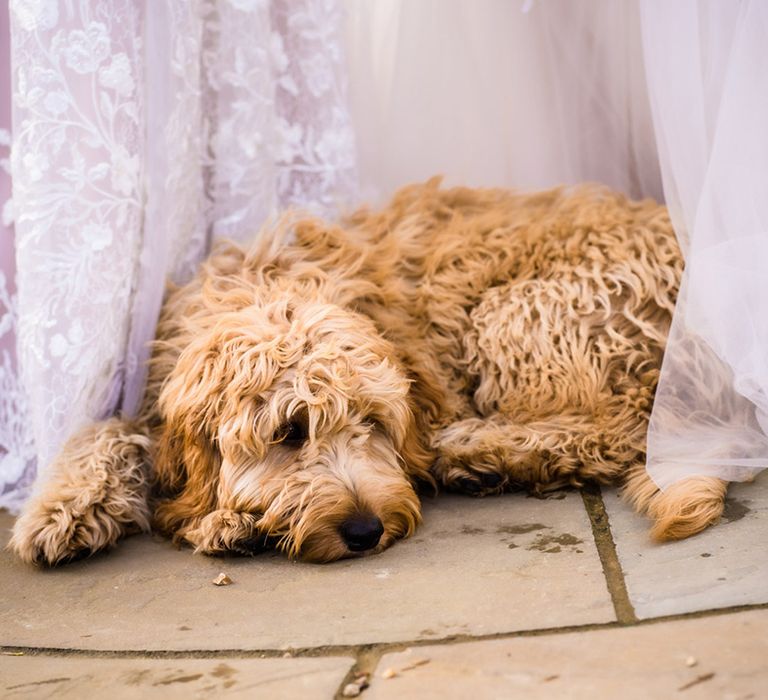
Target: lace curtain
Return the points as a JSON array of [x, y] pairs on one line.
[[141, 133], [17, 450]]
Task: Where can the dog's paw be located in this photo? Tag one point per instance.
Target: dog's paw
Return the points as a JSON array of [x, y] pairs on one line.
[[56, 534], [225, 532], [476, 479]]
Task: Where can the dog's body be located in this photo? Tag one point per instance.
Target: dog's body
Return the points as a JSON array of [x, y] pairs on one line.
[[479, 339]]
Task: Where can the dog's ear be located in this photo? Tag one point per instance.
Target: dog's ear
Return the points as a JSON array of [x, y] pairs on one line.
[[417, 454], [187, 460], [187, 468], [427, 407], [205, 391]]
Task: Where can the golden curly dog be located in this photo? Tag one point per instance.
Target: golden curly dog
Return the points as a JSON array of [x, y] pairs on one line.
[[299, 392]]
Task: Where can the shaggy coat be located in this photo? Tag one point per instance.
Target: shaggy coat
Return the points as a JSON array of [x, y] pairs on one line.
[[299, 393]]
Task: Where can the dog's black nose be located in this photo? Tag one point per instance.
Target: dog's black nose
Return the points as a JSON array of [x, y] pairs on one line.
[[362, 532]]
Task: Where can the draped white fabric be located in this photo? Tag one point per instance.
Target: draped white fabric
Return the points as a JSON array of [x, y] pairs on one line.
[[259, 123], [17, 449], [141, 133], [77, 196], [707, 67], [500, 93]]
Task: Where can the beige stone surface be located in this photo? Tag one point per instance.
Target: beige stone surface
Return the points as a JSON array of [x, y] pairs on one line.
[[723, 566], [79, 677], [728, 653], [477, 566]]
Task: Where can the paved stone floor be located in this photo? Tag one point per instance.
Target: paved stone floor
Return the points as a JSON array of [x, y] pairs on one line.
[[493, 598]]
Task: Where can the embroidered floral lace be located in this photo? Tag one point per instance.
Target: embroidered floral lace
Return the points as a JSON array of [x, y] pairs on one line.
[[141, 133]]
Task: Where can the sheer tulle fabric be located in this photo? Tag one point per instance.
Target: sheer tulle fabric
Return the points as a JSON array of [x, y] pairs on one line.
[[495, 93], [141, 133], [708, 81]]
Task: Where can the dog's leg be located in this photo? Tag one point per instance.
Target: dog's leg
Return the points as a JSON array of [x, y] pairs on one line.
[[685, 508], [486, 455], [480, 456], [96, 492]]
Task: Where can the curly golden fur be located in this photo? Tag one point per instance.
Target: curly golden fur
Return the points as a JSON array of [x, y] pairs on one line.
[[301, 391]]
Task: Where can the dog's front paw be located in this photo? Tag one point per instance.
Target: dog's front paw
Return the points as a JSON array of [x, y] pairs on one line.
[[92, 494], [56, 533], [225, 532]]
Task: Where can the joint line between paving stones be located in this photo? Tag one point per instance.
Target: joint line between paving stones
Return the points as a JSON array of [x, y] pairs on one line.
[[373, 650], [606, 549]]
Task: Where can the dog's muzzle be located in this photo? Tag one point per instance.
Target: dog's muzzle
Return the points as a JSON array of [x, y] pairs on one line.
[[362, 532]]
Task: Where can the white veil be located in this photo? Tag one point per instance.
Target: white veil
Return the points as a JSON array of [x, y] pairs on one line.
[[499, 93], [707, 70]]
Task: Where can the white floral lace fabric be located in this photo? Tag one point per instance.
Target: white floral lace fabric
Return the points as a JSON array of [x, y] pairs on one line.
[[77, 200], [141, 132], [17, 454]]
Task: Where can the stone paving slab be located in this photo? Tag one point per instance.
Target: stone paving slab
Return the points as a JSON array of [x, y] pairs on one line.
[[723, 566], [728, 652], [477, 566], [79, 677]]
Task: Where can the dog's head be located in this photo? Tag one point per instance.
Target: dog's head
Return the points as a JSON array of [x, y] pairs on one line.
[[289, 418]]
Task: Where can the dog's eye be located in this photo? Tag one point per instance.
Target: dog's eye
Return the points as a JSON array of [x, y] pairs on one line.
[[374, 422], [291, 434]]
